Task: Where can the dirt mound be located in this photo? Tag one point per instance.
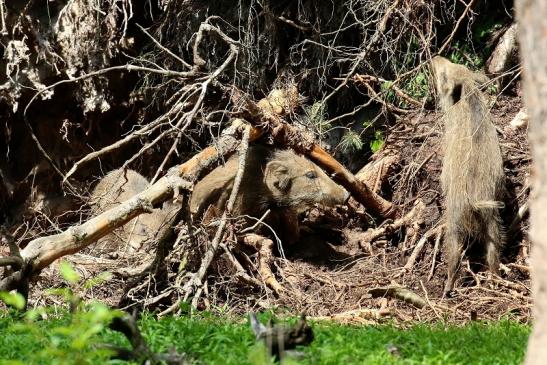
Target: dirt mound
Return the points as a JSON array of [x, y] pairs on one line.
[[331, 273]]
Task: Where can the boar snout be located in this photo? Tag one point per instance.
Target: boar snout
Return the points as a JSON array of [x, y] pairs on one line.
[[331, 193], [336, 195]]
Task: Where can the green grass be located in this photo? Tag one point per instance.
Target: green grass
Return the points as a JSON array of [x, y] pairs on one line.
[[214, 340]]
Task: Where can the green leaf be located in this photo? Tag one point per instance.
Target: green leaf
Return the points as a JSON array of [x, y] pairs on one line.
[[351, 142], [59, 292], [68, 273], [101, 278], [15, 299], [377, 142], [386, 85], [258, 355]]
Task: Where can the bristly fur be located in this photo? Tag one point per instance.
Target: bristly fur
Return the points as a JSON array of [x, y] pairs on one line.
[[472, 178], [273, 179]]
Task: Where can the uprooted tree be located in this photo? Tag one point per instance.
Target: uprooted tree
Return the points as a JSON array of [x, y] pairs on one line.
[[93, 85]]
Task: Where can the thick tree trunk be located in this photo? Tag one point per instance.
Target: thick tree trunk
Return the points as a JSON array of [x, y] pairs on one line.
[[532, 18]]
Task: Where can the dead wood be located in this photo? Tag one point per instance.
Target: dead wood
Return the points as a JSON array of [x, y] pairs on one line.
[[197, 280], [264, 246], [412, 217], [375, 173], [505, 52], [42, 251], [399, 292], [358, 316], [419, 247], [291, 137]]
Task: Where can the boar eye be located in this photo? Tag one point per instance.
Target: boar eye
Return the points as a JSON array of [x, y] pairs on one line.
[[311, 175]]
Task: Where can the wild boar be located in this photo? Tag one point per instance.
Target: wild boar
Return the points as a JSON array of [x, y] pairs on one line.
[[472, 178], [277, 180], [119, 186]]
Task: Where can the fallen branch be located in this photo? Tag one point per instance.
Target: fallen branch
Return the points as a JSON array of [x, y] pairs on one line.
[[358, 316], [419, 247], [240, 271], [42, 251], [409, 218], [522, 268], [289, 136], [264, 246], [197, 279], [399, 292]]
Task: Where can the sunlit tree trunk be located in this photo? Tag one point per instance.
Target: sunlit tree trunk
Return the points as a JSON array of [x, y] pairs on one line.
[[532, 19]]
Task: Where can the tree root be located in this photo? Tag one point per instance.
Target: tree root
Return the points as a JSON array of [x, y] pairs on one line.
[[197, 279], [419, 247], [411, 218], [264, 246]]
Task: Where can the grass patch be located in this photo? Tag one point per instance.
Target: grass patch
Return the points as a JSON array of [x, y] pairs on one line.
[[214, 340]]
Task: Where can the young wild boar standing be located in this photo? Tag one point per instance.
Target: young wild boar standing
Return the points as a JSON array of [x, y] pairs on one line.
[[117, 187], [472, 177], [278, 180]]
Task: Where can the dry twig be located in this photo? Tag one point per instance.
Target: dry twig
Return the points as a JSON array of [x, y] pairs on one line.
[[197, 279]]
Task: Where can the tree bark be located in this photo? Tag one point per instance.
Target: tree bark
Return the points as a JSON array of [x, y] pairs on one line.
[[532, 19]]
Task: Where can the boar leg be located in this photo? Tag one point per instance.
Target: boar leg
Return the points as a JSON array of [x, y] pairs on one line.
[[493, 240], [453, 247], [291, 230], [284, 223]]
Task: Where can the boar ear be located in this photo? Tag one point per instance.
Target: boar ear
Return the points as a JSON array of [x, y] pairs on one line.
[[277, 174]]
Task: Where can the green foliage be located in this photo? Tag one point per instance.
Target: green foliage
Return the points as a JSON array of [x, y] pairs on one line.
[[258, 355], [351, 142], [463, 53], [68, 273], [67, 339], [214, 340], [417, 87], [386, 88], [377, 142], [316, 117], [477, 343], [492, 89], [14, 300], [474, 52]]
